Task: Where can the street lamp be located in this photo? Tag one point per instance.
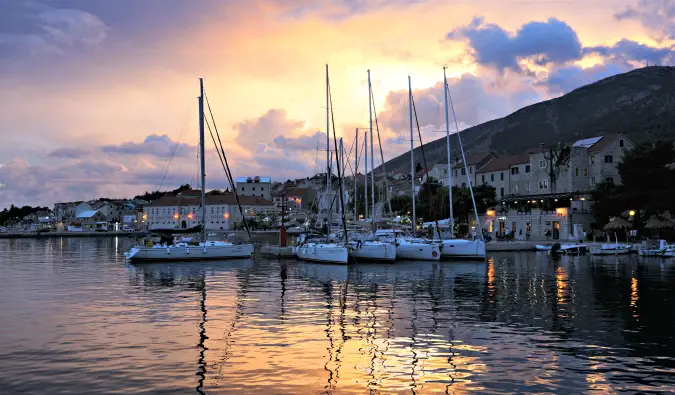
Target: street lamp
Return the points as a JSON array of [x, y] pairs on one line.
[[631, 213]]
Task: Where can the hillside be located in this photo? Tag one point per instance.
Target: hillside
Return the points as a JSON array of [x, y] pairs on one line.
[[640, 104]]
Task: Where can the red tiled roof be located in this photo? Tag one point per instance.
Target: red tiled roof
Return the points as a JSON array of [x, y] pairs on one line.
[[505, 162], [227, 198]]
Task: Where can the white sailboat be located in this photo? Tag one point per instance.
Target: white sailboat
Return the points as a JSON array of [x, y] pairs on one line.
[[613, 249], [316, 249], [186, 251], [459, 248], [409, 247]]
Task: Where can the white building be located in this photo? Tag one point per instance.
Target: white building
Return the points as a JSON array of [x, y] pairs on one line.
[[255, 186], [222, 212]]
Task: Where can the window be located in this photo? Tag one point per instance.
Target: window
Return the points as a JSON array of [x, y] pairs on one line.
[[501, 191], [455, 172], [542, 163], [592, 181], [543, 184], [515, 170], [621, 143], [591, 159], [501, 176], [254, 189], [585, 171], [610, 180], [527, 168], [242, 189], [608, 159], [463, 185], [483, 178], [463, 172], [492, 177], [262, 195], [528, 186], [576, 172], [470, 170], [515, 189]]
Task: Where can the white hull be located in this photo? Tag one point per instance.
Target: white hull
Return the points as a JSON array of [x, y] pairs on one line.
[[666, 253], [189, 253], [372, 251], [417, 251], [460, 248], [540, 247], [613, 249], [571, 249], [323, 252]]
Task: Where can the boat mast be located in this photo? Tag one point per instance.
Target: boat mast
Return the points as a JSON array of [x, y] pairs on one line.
[[356, 166], [201, 156], [412, 157], [341, 159], [372, 154], [365, 178], [479, 229], [447, 137], [328, 180]]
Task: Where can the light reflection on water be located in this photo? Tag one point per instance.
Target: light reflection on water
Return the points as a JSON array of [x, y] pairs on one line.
[[75, 318]]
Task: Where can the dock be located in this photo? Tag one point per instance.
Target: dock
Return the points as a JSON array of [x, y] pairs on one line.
[[277, 251]]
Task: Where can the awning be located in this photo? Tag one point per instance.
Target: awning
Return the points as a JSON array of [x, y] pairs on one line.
[[546, 196]]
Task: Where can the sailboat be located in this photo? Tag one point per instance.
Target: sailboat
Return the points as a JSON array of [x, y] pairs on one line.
[[185, 251], [408, 246], [320, 249], [451, 247]]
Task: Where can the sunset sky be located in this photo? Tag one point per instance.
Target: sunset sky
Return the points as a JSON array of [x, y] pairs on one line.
[[95, 94]]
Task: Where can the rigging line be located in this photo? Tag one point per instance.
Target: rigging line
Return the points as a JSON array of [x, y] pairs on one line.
[[426, 170], [174, 149], [337, 162], [379, 141], [227, 167], [468, 178]]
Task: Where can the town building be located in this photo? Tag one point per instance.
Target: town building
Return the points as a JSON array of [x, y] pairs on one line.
[[222, 211], [474, 162], [295, 199], [254, 186]]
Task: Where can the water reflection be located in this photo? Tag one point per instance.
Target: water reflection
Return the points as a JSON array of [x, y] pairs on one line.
[[76, 319]]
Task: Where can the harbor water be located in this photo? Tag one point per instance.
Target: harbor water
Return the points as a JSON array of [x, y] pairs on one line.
[[75, 318]]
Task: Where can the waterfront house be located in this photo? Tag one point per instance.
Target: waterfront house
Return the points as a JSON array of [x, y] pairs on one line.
[[254, 186], [507, 174], [222, 212], [475, 163]]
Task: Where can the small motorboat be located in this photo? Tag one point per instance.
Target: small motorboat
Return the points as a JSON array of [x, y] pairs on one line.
[[540, 247], [661, 249], [613, 249], [568, 249]]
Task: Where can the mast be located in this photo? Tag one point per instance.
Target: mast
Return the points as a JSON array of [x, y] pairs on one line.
[[412, 157], [201, 156], [479, 229], [328, 180], [365, 178], [372, 154], [356, 173], [447, 136], [341, 181]]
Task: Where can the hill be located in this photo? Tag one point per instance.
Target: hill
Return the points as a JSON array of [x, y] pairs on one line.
[[639, 104]]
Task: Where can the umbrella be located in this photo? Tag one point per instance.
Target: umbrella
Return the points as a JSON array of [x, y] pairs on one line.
[[617, 223], [658, 223]]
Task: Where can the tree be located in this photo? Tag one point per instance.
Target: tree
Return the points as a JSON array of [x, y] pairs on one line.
[[648, 184]]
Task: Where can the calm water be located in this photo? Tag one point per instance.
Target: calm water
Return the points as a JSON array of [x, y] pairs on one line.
[[75, 319]]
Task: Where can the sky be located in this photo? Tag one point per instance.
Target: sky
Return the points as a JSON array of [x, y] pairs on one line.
[[99, 98]]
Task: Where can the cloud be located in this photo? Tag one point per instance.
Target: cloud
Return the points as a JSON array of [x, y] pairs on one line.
[[47, 30], [156, 145], [553, 41], [274, 128], [69, 153], [656, 16], [626, 51], [565, 79]]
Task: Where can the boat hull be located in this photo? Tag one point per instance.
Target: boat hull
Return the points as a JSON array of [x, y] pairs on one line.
[[418, 251], [189, 253], [323, 253], [463, 249], [372, 252]]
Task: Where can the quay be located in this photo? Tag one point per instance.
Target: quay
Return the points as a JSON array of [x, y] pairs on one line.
[[45, 235]]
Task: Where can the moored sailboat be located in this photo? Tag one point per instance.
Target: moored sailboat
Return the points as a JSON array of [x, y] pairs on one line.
[[187, 251]]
